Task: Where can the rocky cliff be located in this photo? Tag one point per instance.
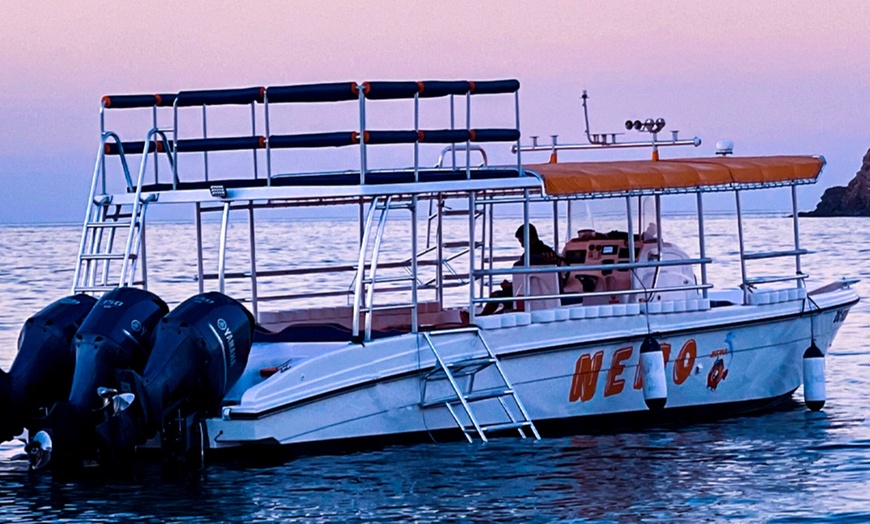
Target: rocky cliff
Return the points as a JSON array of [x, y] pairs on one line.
[[852, 200]]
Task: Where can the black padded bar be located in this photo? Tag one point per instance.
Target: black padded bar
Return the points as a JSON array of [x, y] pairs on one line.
[[491, 87], [444, 136], [438, 88], [333, 92], [495, 135], [232, 143], [390, 90], [129, 101], [216, 97], [131, 148], [390, 137], [335, 139], [166, 99], [392, 177]]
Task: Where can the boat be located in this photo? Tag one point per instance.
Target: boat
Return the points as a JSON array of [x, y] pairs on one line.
[[611, 329]]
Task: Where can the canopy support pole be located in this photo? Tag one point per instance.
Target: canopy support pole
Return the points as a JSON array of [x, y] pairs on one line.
[[702, 242], [743, 286]]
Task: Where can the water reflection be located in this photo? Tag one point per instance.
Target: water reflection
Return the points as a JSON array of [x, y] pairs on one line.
[[788, 466]]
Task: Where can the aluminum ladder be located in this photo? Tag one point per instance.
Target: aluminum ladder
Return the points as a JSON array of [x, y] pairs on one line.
[[99, 245], [364, 282], [467, 396]]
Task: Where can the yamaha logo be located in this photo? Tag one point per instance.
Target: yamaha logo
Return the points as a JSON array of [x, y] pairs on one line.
[[136, 326], [231, 343]]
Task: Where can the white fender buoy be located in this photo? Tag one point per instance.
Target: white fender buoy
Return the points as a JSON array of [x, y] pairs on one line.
[[814, 377], [652, 362]]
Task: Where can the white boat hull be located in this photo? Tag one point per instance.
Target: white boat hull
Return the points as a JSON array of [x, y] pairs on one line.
[[566, 373]]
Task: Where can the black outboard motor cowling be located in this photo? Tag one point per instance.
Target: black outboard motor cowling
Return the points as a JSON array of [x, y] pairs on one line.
[[115, 335], [43, 368], [200, 350]]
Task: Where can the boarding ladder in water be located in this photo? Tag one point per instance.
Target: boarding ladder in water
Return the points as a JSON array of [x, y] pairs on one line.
[[465, 396], [113, 232]]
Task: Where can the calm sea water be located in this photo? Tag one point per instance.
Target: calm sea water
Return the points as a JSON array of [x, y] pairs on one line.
[[787, 466]]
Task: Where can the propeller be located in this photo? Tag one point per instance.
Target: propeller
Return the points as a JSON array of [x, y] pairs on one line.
[[118, 401], [39, 450]]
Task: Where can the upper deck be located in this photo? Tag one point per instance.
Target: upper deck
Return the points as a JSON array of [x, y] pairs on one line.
[[455, 171]]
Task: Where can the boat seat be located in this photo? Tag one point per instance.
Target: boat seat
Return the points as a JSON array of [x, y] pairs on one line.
[[539, 284]]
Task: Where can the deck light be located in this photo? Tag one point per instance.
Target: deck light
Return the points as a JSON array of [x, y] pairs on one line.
[[218, 191]]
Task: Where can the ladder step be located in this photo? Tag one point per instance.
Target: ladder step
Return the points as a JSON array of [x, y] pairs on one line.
[[113, 216], [505, 426], [107, 256], [474, 396], [93, 289], [96, 225], [461, 364], [484, 394]]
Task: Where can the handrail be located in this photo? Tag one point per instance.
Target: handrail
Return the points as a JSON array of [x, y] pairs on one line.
[[775, 254], [376, 251], [772, 279], [361, 265], [598, 267], [696, 287], [103, 152], [136, 203], [619, 145], [461, 147], [317, 270]]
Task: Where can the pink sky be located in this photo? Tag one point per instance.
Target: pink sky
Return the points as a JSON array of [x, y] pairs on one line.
[[788, 77]]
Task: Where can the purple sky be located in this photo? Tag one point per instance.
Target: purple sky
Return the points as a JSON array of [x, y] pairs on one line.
[[787, 77]]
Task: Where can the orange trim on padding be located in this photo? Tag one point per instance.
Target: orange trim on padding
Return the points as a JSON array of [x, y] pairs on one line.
[[106, 101]]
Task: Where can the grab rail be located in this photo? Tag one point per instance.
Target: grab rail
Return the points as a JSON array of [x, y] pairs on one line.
[[775, 254], [659, 290], [598, 267]]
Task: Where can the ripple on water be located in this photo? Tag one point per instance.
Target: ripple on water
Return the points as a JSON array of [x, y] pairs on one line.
[[787, 466]]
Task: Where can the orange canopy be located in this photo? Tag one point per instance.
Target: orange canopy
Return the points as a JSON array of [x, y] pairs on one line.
[[573, 178]]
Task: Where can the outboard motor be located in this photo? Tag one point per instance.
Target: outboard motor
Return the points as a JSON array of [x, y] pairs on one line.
[[115, 335], [43, 368], [200, 350]]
